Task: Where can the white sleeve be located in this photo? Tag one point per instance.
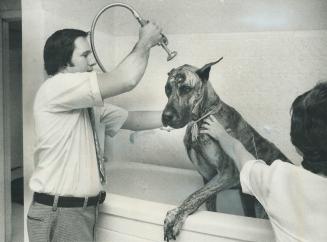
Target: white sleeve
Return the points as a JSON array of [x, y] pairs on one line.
[[68, 91], [255, 178], [113, 117]]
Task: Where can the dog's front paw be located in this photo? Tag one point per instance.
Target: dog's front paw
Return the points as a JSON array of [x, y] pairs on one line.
[[173, 223]]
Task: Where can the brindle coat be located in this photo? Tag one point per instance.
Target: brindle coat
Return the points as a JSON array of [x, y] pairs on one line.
[[191, 97]]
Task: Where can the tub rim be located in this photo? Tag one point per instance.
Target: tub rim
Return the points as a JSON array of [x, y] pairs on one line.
[[211, 223]]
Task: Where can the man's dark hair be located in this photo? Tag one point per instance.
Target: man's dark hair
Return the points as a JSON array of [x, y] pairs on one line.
[[58, 49], [309, 127]]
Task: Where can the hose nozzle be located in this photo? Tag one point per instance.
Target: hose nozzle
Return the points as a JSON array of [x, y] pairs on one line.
[[163, 43], [142, 22]]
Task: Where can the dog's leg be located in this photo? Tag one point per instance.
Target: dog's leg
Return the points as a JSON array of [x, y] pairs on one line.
[[211, 202], [248, 202], [175, 218], [260, 211], [252, 207]]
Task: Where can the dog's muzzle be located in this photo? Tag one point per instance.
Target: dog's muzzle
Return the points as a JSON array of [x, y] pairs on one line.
[[167, 117], [172, 118]]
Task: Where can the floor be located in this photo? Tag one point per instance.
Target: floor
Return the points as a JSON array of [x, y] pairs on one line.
[[17, 222]]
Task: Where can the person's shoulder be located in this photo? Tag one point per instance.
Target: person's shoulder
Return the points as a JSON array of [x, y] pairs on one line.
[[70, 75], [275, 165], [251, 164], [290, 171], [282, 164], [68, 80], [60, 82], [44, 86], [282, 167], [269, 173]]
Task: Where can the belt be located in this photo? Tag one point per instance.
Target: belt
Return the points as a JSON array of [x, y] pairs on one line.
[[69, 202]]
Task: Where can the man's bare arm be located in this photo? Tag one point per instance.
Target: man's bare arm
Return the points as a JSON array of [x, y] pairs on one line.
[[143, 120]]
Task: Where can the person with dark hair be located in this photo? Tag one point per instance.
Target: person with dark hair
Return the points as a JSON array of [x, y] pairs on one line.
[[309, 128], [71, 118], [294, 198], [58, 49]]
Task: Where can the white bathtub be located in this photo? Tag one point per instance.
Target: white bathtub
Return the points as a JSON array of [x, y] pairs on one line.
[[139, 196]]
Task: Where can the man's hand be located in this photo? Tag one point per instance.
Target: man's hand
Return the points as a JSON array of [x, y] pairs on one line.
[[150, 35]]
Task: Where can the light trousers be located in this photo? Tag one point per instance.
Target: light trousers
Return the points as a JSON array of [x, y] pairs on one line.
[[56, 224]]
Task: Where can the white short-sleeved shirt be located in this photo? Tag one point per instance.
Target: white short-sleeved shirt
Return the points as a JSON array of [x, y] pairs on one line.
[[65, 153], [294, 199]]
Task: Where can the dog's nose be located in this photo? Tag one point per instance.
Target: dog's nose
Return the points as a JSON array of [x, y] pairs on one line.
[[167, 116]]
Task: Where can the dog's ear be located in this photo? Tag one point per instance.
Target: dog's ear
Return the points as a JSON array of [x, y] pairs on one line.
[[171, 72], [203, 72]]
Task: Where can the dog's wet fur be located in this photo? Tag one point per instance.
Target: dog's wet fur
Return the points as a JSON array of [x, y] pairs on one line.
[[190, 97]]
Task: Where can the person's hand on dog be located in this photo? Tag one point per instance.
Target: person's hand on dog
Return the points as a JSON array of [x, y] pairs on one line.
[[212, 127]]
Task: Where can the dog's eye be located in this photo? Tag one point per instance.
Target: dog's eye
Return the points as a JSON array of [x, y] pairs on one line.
[[168, 90], [179, 78], [184, 90]]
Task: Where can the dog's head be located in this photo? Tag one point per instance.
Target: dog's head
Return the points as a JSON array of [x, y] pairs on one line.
[[186, 88]]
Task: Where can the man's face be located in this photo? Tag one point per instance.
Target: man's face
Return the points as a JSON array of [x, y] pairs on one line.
[[82, 58]]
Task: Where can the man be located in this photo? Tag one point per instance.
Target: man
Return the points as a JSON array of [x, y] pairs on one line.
[[294, 198], [67, 181]]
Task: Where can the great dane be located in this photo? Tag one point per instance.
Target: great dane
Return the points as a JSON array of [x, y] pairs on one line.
[[191, 99]]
